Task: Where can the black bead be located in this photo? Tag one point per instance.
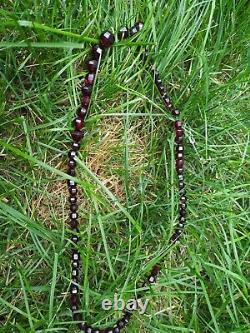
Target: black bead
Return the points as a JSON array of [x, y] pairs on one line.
[[82, 112], [75, 238], [72, 200], [73, 190], [77, 135], [86, 90], [71, 163], [96, 51], [72, 154], [71, 172], [123, 33], [73, 215], [181, 185], [73, 207], [92, 65], [71, 182], [106, 39], [75, 146]]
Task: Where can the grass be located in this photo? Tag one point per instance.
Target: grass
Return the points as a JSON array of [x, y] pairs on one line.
[[128, 198]]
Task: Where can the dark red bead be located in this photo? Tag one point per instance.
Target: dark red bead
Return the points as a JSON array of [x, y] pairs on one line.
[[77, 135], [179, 132], [82, 112], [73, 299], [179, 164], [96, 51], [86, 90], [85, 101], [92, 65], [76, 316], [178, 124], [78, 122], [107, 39], [89, 79], [123, 33]]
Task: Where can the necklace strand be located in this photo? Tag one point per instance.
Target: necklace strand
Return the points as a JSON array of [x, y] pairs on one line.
[[106, 41]]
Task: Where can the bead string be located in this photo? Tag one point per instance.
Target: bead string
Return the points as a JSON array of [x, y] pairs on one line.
[[106, 41]]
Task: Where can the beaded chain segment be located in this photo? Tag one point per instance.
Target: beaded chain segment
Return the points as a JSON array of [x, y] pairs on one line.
[[106, 41]]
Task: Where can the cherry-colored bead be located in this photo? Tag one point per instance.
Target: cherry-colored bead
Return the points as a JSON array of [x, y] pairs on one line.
[[178, 124], [92, 65], [89, 79], [82, 112], [96, 51], [86, 90], [78, 122], [73, 299], [123, 33], [107, 39], [179, 164], [85, 101], [179, 132], [77, 135]]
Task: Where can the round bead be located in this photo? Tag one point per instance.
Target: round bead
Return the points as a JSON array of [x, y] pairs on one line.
[[92, 65], [179, 170], [73, 207], [73, 215], [75, 255], [181, 185], [183, 212], [72, 154], [73, 299], [85, 101], [151, 279], [72, 200], [89, 79], [86, 90], [71, 182], [73, 190], [75, 146], [96, 51], [179, 132], [179, 148], [182, 191], [73, 223], [178, 124], [181, 225], [107, 39], [74, 289], [121, 323], [139, 26], [178, 139], [123, 33], [71, 172], [179, 156], [78, 122], [81, 112], [175, 113], [183, 205], [75, 272], [77, 135], [71, 163], [116, 329], [75, 238], [179, 164]]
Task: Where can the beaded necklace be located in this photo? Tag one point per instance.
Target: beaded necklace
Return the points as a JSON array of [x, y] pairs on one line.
[[106, 41]]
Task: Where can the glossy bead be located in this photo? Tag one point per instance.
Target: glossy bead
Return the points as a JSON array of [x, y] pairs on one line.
[[73, 215], [178, 124], [74, 289], [139, 26], [179, 170], [72, 200], [92, 65], [78, 122], [123, 33], [86, 90], [77, 136], [179, 139], [179, 148], [72, 154], [183, 212], [71, 163], [183, 205], [175, 113], [117, 330], [75, 146], [182, 219], [85, 101], [179, 156], [96, 51], [107, 39], [71, 183], [82, 112], [75, 272], [179, 132], [151, 279], [73, 223], [89, 79], [76, 315], [161, 89], [88, 329], [75, 264], [73, 190], [181, 225], [75, 255], [181, 185], [179, 164]]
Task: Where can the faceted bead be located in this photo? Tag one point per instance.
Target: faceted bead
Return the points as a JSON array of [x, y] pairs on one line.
[[75, 272], [181, 178], [178, 124], [123, 33], [73, 190], [117, 330], [77, 135], [72, 200], [151, 279], [182, 219], [75, 238], [85, 101], [183, 205], [71, 183], [180, 156], [96, 51], [107, 39], [92, 65], [89, 79], [181, 225], [179, 149], [175, 113], [78, 122], [75, 255], [179, 132], [75, 146], [179, 164], [71, 163], [74, 289], [81, 112], [75, 264], [86, 90]]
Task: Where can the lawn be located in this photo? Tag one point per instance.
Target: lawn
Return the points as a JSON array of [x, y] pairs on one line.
[[128, 193]]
